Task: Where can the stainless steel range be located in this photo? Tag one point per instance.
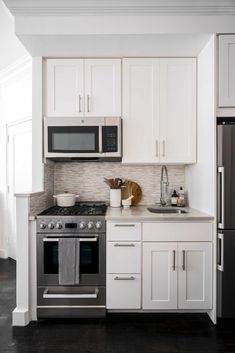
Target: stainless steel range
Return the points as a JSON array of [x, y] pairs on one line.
[[71, 261]]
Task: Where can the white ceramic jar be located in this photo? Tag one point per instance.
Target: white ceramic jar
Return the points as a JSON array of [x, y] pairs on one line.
[[115, 197]]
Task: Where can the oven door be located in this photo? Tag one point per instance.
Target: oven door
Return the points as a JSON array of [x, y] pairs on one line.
[[92, 259]]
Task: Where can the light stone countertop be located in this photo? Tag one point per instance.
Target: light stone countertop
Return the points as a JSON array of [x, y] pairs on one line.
[[141, 214]]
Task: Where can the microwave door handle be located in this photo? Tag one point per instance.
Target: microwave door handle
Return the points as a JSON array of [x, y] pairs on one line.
[[100, 139]]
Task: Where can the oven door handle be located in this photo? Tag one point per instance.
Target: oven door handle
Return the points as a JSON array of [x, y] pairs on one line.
[[47, 295], [80, 239]]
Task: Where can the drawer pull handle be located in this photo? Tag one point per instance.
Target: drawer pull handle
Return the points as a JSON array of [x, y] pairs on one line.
[[173, 260], [183, 265], [122, 244], [124, 225], [117, 278]]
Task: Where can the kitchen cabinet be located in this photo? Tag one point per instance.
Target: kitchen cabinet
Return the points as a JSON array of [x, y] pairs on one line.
[[123, 285], [177, 274], [83, 87], [159, 110], [227, 70], [159, 276]]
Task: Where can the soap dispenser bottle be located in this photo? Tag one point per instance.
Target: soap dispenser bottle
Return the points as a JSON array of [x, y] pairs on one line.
[[174, 198], [181, 199]]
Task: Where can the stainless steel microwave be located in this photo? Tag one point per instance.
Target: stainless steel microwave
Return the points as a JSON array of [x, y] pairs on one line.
[[83, 138]]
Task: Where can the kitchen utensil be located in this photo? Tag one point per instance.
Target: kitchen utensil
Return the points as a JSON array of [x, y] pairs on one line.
[[65, 200], [114, 183], [131, 188]]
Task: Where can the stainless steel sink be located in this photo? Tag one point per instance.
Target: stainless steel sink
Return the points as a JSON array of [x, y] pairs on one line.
[[166, 210]]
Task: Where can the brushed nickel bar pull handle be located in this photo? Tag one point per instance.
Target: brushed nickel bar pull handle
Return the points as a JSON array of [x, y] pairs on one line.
[[173, 260], [124, 244], [117, 278], [124, 225], [156, 148], [87, 239], [47, 295], [79, 103], [88, 103], [50, 240], [183, 265], [163, 148], [220, 265], [221, 222]]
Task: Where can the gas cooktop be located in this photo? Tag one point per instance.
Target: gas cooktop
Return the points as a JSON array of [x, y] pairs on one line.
[[79, 209]]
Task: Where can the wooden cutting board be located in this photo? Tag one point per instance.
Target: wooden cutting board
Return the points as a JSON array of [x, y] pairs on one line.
[[132, 188]]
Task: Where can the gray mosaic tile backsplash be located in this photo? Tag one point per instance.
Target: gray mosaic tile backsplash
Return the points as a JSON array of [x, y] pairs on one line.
[[39, 203], [86, 179]]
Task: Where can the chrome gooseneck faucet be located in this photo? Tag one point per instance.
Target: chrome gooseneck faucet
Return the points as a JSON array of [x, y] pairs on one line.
[[164, 185]]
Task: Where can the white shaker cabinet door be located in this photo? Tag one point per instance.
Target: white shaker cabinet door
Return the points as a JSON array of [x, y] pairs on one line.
[[103, 87], [140, 110], [195, 275], [178, 110], [227, 70], [160, 276], [64, 87]]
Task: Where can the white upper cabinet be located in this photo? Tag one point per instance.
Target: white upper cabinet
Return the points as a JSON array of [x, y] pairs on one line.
[[64, 82], [103, 87], [140, 110], [227, 70], [80, 87], [178, 110], [159, 110]]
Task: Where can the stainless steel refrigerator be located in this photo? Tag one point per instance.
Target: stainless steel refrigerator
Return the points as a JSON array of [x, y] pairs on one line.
[[226, 217]]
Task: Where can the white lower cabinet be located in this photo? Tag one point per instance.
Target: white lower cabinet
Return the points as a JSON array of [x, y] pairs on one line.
[[123, 291], [123, 287], [195, 275], [159, 265], [159, 276], [177, 275]]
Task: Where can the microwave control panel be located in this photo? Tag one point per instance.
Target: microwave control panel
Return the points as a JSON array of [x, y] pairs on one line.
[[110, 138]]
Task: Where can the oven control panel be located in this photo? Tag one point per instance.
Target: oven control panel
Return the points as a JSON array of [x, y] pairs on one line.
[[53, 225]]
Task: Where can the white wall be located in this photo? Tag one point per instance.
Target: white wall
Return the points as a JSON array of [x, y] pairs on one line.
[[200, 178], [15, 100], [11, 47], [15, 105]]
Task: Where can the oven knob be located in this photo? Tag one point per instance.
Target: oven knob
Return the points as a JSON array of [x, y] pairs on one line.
[[98, 225], [42, 226], [51, 225], [90, 225], [58, 225], [82, 225]]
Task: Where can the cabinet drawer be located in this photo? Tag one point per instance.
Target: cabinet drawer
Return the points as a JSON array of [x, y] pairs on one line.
[[123, 257], [123, 291], [123, 231], [177, 231]]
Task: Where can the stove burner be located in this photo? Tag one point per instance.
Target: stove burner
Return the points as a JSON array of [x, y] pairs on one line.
[[80, 209]]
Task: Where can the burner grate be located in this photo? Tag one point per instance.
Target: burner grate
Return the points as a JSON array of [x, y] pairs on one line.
[[80, 209]]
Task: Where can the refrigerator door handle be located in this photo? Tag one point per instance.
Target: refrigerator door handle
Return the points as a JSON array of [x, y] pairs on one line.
[[220, 265], [221, 200]]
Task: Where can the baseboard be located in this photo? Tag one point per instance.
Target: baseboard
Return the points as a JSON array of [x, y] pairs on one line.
[[3, 254], [20, 317]]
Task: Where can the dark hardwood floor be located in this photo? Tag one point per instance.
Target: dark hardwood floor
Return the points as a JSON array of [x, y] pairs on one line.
[[118, 333]]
